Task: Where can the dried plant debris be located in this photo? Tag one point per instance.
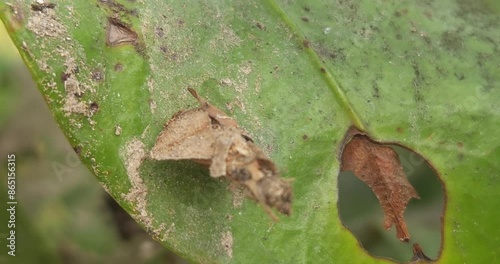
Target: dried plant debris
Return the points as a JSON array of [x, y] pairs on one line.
[[419, 256], [119, 33], [379, 167], [208, 136]]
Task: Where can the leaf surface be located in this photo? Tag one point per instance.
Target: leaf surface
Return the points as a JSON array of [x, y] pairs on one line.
[[295, 75]]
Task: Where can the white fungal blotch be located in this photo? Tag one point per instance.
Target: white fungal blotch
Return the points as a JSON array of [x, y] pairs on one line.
[[45, 23], [134, 154], [227, 243], [118, 130]]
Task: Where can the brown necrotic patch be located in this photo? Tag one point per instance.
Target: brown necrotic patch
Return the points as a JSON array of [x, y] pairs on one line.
[[118, 67], [118, 9], [41, 6], [94, 107], [119, 33], [306, 43]]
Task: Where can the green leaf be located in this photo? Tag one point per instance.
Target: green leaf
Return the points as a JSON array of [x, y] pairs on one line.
[[295, 76]]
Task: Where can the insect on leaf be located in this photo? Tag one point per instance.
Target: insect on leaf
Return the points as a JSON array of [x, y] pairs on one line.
[[208, 136]]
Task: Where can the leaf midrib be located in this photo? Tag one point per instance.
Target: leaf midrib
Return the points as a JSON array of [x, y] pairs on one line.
[[339, 94]]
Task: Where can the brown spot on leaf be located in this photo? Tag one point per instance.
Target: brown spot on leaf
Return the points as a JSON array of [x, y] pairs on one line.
[[118, 9], [41, 6], [399, 129], [65, 76], [305, 19], [376, 90], [379, 167], [118, 67], [418, 83], [305, 137], [119, 33], [306, 43], [77, 149], [208, 136], [94, 107], [260, 26]]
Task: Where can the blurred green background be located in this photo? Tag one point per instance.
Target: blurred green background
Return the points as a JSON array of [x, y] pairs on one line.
[[65, 216]]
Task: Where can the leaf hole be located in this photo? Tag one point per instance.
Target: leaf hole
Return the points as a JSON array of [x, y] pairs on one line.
[[361, 212]]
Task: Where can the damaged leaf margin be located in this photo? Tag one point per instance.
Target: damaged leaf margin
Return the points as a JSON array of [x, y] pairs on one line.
[[379, 167]]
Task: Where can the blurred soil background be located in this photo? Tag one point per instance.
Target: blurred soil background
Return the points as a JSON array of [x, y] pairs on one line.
[[65, 216]]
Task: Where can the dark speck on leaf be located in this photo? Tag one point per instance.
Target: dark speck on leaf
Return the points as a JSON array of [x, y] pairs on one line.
[[65, 76], [260, 26], [118, 67], [94, 107], [306, 43], [41, 6], [77, 149]]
